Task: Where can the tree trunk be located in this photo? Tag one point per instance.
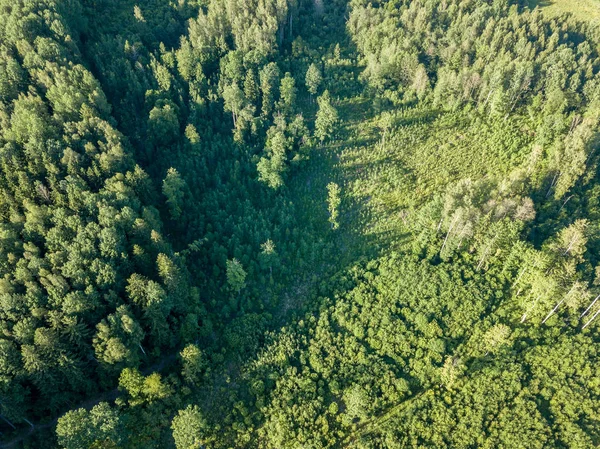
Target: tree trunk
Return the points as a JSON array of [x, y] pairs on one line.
[[8, 422], [488, 98], [519, 277], [571, 243], [558, 305], [566, 201], [552, 185], [589, 307], [591, 319], [524, 317], [485, 253], [448, 234]]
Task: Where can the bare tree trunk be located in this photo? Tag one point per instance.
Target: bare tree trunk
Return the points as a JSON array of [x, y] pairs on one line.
[[558, 305], [530, 309], [461, 236], [448, 234], [571, 243], [488, 98], [574, 123], [519, 277], [485, 253], [440, 225], [140, 345], [552, 185], [566, 201], [8, 422], [589, 307], [591, 319]]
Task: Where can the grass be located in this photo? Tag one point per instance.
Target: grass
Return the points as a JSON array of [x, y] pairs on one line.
[[424, 152], [587, 10]]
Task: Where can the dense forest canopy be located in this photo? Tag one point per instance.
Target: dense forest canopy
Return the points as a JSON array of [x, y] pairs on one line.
[[299, 224]]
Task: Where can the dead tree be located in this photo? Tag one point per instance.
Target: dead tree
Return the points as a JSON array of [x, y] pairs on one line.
[[559, 303]]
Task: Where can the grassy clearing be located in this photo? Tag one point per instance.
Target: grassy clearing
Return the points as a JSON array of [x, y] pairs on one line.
[[389, 172], [582, 9]]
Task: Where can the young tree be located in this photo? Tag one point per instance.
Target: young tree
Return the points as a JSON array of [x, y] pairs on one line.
[[251, 89], [287, 94], [173, 189], [268, 254], [327, 117], [272, 167], [333, 204], [193, 362], [313, 79]]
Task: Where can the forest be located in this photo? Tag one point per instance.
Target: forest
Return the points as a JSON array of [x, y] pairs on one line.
[[299, 224]]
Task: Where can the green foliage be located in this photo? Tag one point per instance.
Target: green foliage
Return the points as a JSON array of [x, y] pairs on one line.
[[313, 79], [143, 390], [165, 241], [333, 204], [188, 428], [194, 363], [327, 117], [287, 94], [173, 189], [236, 275], [98, 427]]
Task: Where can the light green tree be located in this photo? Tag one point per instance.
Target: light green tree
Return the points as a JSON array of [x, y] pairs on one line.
[[189, 427], [271, 168], [236, 275], [268, 254], [327, 117], [99, 427], [287, 94], [193, 363], [173, 189], [313, 79], [333, 204]]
